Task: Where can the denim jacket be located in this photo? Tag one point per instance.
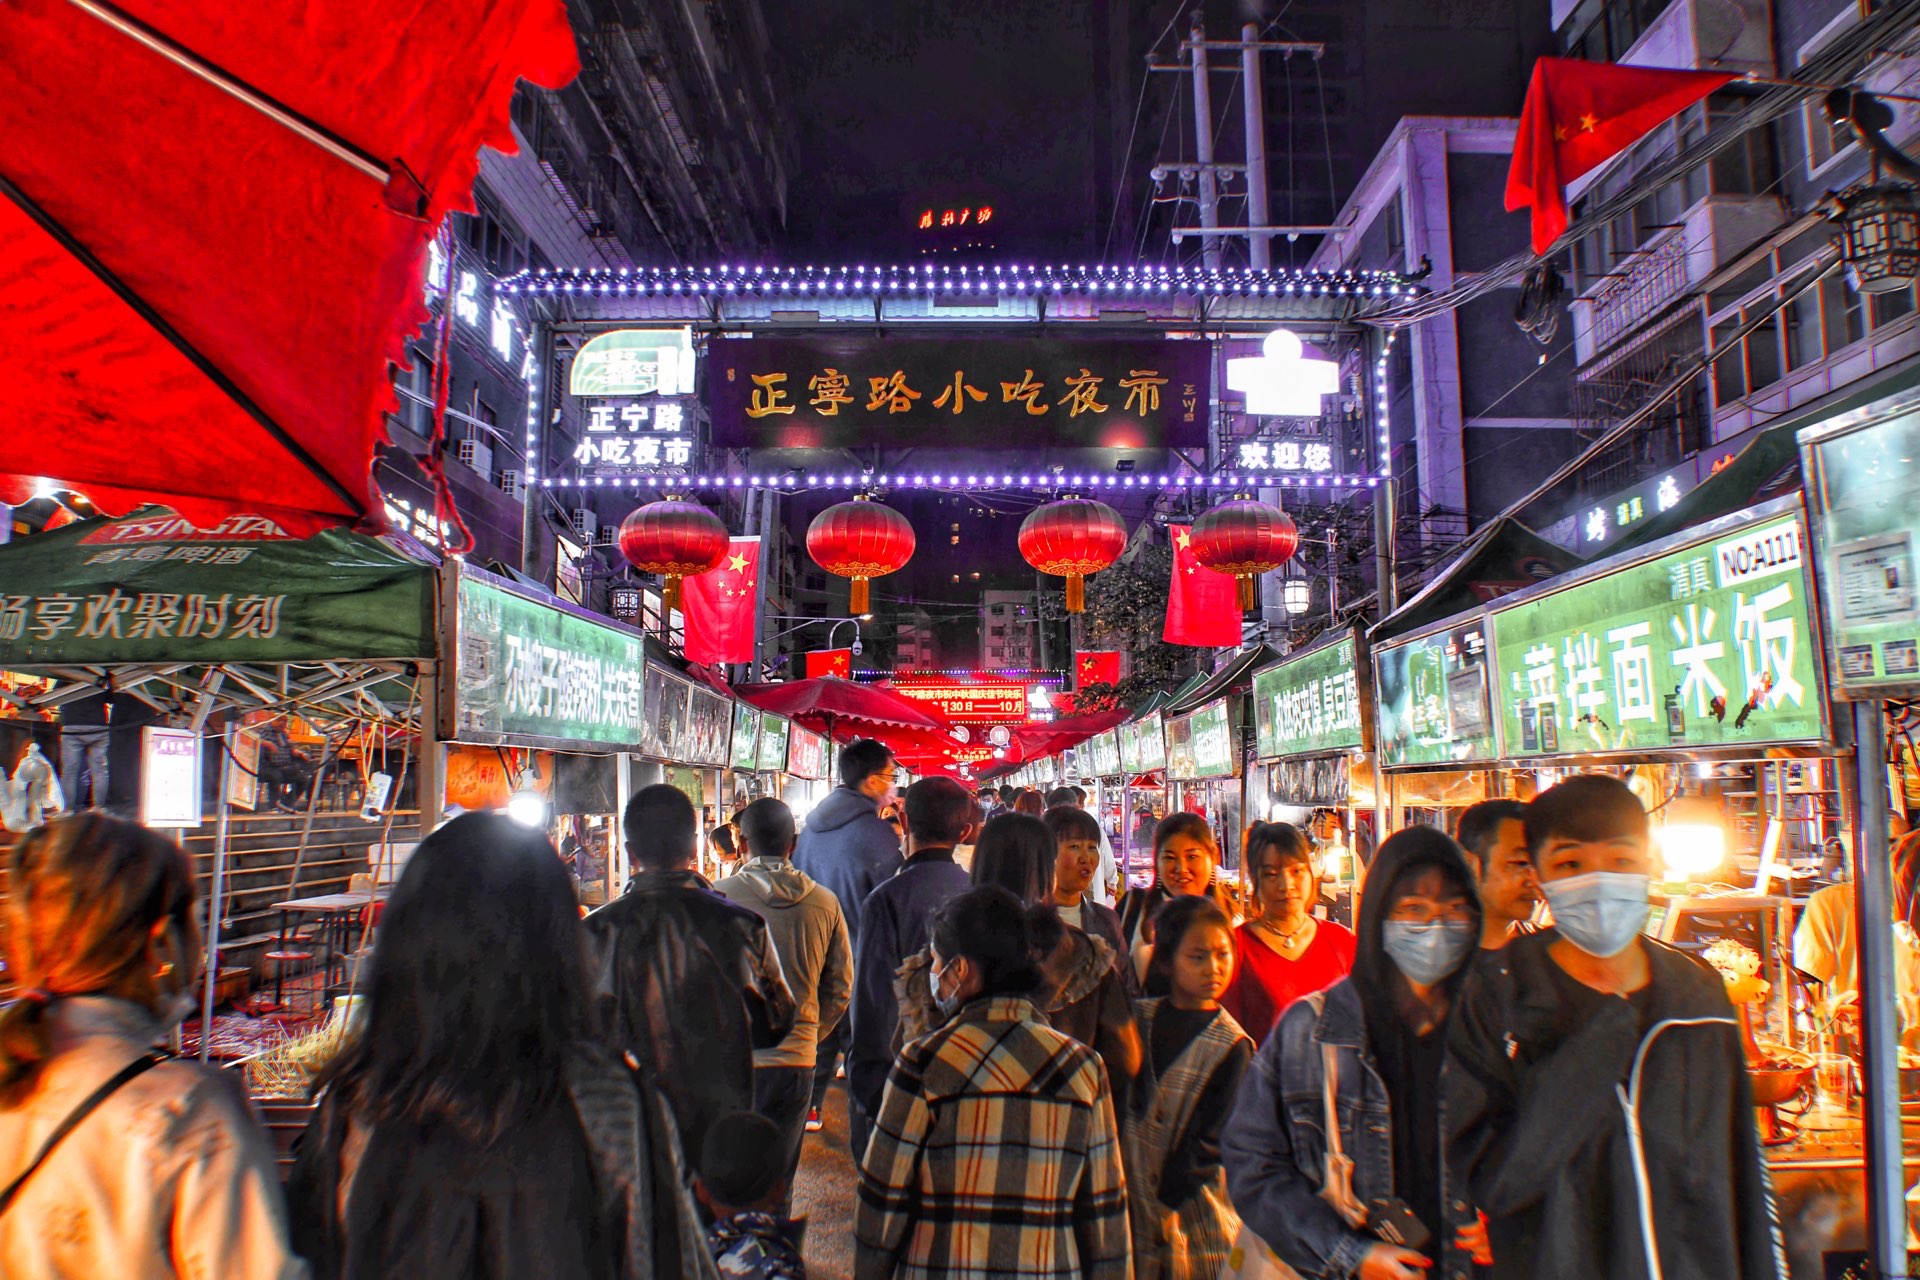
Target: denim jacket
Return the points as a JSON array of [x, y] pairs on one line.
[[1275, 1146]]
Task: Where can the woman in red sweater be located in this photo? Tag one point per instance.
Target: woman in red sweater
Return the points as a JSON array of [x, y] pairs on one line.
[[1283, 951]]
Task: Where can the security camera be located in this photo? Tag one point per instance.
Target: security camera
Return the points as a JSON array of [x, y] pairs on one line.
[[856, 647]]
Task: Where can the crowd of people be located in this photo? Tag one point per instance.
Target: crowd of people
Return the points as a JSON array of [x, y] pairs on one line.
[[1038, 1084]]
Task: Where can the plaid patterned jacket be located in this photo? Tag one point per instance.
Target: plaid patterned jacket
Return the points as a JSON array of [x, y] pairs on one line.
[[995, 1156]]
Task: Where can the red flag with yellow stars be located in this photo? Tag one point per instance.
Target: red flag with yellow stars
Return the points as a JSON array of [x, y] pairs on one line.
[[1581, 114], [1203, 605], [719, 607], [830, 662], [1096, 666]]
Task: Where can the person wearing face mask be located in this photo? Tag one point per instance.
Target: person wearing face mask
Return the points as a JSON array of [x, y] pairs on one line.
[[115, 1160], [1598, 1102], [995, 1152], [1284, 952], [1186, 860], [1377, 1203]]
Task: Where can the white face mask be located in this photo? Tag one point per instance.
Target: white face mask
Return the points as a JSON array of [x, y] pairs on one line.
[[945, 1001], [1600, 912]]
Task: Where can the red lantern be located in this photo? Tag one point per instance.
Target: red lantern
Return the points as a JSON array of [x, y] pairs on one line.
[[1246, 539], [1073, 537], [675, 539], [860, 540]]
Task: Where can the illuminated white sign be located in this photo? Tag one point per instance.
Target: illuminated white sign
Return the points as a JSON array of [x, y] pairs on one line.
[[500, 332], [1283, 380], [634, 435], [1285, 455]]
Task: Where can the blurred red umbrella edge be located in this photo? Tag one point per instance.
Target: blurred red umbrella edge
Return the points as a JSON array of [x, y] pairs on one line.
[[213, 233]]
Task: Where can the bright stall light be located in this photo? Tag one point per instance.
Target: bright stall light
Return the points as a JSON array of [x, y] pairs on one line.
[[1693, 840], [1297, 594]]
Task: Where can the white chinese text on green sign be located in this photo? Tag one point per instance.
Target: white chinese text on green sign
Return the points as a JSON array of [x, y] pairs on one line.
[[527, 670], [1309, 705]]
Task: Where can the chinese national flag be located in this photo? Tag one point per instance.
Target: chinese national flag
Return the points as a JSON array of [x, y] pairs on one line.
[[830, 662], [1096, 666], [719, 607], [1579, 115], [1203, 606]]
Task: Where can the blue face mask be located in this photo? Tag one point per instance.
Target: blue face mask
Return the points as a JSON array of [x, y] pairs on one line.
[[1600, 912], [1428, 950]]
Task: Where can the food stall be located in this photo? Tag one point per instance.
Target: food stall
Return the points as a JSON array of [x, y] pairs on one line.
[[1435, 739], [809, 757], [771, 761], [1310, 745], [1143, 764], [1203, 771], [1098, 760]]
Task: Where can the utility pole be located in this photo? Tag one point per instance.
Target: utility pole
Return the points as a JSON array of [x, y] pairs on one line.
[[1254, 109], [1203, 148]]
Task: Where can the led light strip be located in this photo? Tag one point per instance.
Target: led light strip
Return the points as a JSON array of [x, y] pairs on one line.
[[954, 480]]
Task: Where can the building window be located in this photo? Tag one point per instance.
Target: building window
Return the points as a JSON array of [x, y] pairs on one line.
[[1604, 30]]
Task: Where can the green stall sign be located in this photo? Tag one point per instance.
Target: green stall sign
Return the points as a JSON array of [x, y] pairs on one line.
[[531, 673], [773, 743], [1434, 698], [1709, 645], [1142, 747], [1309, 704], [746, 737], [1213, 751]]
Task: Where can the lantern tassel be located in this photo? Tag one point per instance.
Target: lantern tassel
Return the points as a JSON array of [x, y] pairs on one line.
[[1246, 584], [1076, 593], [670, 592], [857, 597]]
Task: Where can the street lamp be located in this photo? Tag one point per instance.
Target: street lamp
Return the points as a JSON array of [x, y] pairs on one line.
[[1297, 595]]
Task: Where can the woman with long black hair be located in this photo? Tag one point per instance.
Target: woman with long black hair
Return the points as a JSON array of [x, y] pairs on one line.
[[472, 1128]]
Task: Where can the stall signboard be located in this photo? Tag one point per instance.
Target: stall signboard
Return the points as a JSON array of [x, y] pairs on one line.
[[153, 588], [169, 777], [1864, 478], [1104, 749], [806, 753], [966, 702], [878, 389], [1143, 748], [1180, 762], [709, 725], [664, 721], [1705, 642], [1433, 696], [1213, 753], [745, 755], [773, 742], [1309, 704], [532, 673]]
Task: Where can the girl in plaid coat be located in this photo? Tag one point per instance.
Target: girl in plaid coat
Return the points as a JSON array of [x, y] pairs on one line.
[[995, 1155], [1183, 1223]]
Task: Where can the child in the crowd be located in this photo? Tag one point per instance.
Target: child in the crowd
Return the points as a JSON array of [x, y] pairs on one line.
[[742, 1188], [1183, 1223]]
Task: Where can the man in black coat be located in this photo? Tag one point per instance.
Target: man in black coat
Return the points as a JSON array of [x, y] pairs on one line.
[[1597, 1099], [685, 983]]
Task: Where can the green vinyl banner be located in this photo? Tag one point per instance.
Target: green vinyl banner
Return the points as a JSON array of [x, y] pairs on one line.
[[533, 673], [1432, 698], [1709, 645], [152, 588], [1309, 704]]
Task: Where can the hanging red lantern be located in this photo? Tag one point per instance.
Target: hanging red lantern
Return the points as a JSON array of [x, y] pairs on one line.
[[1073, 537], [675, 539], [860, 540], [1245, 538]]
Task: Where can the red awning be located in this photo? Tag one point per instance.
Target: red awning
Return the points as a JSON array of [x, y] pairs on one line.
[[197, 302], [835, 707]]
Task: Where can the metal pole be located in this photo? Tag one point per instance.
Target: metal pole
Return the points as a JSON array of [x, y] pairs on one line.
[[1203, 148], [216, 894], [1254, 105], [1879, 1016]]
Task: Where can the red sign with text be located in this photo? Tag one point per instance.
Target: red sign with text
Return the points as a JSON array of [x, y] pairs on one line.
[[989, 702]]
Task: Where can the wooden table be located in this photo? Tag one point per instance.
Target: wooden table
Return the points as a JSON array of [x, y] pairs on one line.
[[336, 911]]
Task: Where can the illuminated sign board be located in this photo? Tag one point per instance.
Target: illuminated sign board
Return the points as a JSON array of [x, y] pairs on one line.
[[1213, 741], [1143, 748], [1286, 455], [843, 391], [1103, 751], [1309, 704], [746, 737], [169, 777], [1863, 479], [773, 742], [634, 437], [635, 362], [989, 702], [1433, 695], [465, 285], [951, 218], [531, 673], [806, 753], [1706, 645]]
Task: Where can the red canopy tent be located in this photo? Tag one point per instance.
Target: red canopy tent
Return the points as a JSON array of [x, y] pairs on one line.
[[828, 704], [214, 227], [1033, 741]]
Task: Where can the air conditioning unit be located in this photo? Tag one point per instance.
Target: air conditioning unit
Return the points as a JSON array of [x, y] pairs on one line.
[[514, 484], [609, 534], [476, 455], [585, 522]]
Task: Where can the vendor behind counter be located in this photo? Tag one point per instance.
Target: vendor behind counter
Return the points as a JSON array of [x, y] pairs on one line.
[[1825, 946]]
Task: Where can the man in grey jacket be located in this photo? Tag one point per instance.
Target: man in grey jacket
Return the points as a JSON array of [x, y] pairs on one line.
[[849, 850], [809, 935]]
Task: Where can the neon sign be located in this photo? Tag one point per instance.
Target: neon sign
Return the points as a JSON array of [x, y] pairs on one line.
[[948, 219]]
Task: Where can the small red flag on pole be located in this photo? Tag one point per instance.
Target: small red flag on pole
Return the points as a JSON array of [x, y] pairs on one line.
[[830, 662], [1581, 114], [1203, 605], [719, 606], [1096, 666]]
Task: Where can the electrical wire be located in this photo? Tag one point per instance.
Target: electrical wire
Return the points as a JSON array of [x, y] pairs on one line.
[[1126, 156]]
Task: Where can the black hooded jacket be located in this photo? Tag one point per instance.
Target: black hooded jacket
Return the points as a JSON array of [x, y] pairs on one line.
[[1595, 1131]]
